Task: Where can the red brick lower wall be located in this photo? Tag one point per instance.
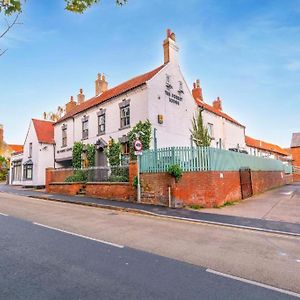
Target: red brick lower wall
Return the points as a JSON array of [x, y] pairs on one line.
[[64, 188], [112, 190], [205, 189], [296, 177]]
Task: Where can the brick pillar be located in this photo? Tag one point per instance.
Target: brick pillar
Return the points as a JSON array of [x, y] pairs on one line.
[[133, 168], [48, 178]]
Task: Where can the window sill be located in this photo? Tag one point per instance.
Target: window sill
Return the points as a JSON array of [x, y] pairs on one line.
[[86, 138], [102, 133], [125, 127]]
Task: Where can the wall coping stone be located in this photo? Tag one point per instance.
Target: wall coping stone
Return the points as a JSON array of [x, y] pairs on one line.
[[107, 183]]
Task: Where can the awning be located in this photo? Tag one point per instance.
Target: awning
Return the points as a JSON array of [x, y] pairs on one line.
[[63, 159], [28, 163]]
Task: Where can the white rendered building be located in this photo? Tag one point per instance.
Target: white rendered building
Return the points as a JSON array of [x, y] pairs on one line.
[[28, 168], [162, 96]]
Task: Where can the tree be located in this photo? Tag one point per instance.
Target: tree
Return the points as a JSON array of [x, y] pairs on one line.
[[199, 131], [143, 130], [10, 7]]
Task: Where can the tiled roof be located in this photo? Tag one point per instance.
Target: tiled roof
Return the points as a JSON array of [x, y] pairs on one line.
[[217, 112], [44, 131], [113, 92], [295, 139], [251, 142], [16, 148]]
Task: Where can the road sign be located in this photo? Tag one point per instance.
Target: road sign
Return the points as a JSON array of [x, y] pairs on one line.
[[138, 153], [138, 146]]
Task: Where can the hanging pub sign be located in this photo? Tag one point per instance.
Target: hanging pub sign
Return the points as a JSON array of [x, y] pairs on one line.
[[173, 98]]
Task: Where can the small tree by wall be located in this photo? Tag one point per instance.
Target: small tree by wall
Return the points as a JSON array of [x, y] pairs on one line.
[[91, 155], [143, 129], [199, 132]]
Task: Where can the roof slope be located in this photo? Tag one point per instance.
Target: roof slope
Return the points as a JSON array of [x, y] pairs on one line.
[[113, 92], [295, 139], [251, 142], [16, 148], [217, 112], [44, 131]]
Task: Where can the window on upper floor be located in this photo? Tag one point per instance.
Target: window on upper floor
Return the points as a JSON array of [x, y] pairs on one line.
[[85, 128], [30, 150], [124, 113], [210, 129], [64, 136], [101, 123]]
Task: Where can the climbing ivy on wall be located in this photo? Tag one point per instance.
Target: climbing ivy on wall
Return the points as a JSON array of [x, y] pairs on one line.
[[76, 155], [143, 129], [78, 149], [91, 155], [113, 152]]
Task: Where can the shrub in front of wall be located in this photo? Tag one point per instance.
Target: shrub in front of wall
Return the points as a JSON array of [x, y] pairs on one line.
[[175, 171], [78, 176]]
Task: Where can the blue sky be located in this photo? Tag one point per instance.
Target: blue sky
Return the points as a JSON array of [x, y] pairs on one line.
[[245, 51]]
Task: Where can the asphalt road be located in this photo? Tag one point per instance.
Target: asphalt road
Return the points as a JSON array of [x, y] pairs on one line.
[[42, 263]]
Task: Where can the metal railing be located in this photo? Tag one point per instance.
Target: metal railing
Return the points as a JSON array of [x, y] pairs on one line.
[[206, 159], [93, 174]]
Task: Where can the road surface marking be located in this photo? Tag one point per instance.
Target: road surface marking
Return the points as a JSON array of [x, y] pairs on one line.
[[287, 193], [2, 214], [266, 286], [79, 235]]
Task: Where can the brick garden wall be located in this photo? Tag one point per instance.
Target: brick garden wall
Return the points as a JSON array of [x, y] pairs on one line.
[[64, 188], [206, 189]]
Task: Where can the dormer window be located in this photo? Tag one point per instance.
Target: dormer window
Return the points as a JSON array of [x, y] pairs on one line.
[[168, 83]]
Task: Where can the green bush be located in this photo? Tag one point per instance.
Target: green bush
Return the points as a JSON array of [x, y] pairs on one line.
[[78, 176], [135, 182], [175, 171], [117, 178]]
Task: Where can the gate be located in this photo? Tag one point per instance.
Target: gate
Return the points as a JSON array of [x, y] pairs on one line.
[[246, 183]]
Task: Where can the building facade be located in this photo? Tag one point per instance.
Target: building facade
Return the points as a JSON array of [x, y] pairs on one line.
[[161, 96], [28, 168]]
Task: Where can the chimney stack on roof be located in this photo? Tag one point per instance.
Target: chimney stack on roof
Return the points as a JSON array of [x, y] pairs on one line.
[[101, 85], [80, 97], [217, 104], [197, 91], [171, 49], [70, 105]]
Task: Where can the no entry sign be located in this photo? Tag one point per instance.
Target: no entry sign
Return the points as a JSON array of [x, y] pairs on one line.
[[138, 146]]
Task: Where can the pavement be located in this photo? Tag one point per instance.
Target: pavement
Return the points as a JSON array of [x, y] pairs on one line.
[[55, 250], [241, 218]]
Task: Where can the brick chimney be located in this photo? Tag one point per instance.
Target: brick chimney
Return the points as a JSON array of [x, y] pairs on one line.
[[171, 50], [197, 91], [70, 105], [1, 134], [217, 104], [80, 97], [100, 84]]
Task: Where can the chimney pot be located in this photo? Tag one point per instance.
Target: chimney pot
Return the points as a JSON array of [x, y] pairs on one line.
[[80, 97], [197, 91], [100, 84], [70, 105], [217, 104], [170, 48]]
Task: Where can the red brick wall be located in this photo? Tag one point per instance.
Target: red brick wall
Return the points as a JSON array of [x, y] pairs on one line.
[[71, 189], [296, 156], [109, 190], [296, 177], [206, 189]]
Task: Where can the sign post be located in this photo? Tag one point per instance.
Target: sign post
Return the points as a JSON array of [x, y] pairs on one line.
[[138, 146]]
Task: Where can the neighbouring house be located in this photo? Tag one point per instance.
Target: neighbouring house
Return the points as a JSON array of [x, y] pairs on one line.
[[225, 132], [162, 96], [7, 150], [28, 167], [265, 149]]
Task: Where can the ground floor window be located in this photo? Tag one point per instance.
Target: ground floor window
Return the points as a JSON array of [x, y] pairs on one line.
[[28, 172], [17, 171]]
